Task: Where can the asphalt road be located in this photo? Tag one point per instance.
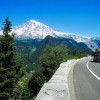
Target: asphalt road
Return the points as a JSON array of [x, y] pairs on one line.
[[87, 80]]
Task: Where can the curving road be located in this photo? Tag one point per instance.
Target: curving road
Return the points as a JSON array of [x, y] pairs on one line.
[[87, 80]]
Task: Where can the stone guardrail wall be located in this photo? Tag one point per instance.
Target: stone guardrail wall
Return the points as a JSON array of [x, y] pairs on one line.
[[57, 87]]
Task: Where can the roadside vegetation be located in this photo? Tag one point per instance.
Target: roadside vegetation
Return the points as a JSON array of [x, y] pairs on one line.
[[18, 81], [11, 64]]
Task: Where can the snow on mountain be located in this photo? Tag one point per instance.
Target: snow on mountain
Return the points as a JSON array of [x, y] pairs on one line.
[[34, 29]]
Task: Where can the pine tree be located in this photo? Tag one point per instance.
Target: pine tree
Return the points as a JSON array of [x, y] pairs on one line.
[[10, 63]]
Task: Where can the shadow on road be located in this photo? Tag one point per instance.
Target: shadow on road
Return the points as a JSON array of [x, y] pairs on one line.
[[95, 61]]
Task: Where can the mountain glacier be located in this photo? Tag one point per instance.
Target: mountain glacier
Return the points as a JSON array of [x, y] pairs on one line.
[[34, 29]]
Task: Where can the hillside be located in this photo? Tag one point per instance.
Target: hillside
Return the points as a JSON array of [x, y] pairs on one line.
[[31, 48]]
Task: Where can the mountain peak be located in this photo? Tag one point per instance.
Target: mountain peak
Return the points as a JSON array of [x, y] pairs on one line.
[[34, 22], [33, 29]]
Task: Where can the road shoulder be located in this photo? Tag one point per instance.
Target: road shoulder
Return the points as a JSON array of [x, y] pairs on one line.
[[71, 80], [71, 84]]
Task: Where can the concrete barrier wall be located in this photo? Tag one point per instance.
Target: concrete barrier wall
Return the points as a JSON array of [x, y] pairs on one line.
[[57, 86]]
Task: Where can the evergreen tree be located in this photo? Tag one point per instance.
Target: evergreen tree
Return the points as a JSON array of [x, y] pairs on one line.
[[10, 63]]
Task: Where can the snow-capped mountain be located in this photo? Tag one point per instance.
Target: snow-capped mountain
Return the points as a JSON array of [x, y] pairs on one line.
[[34, 29]]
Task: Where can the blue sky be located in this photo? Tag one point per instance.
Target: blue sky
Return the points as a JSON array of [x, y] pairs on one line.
[[75, 16]]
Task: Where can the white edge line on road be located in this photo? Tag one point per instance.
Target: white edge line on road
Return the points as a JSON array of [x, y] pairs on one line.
[[92, 71]]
